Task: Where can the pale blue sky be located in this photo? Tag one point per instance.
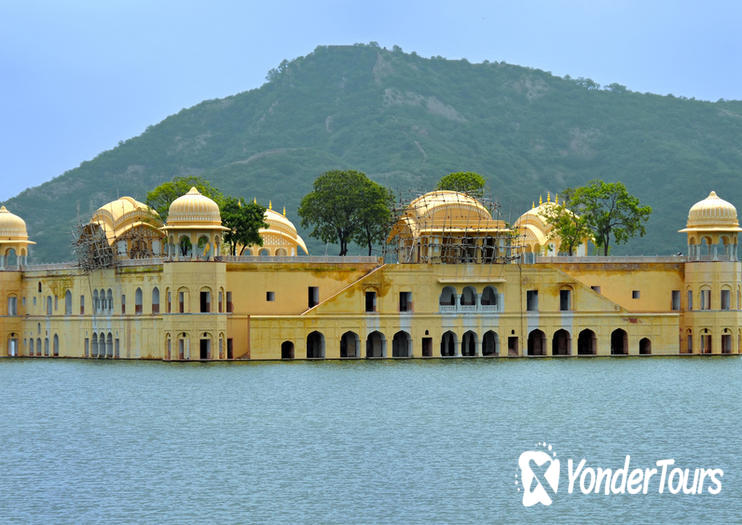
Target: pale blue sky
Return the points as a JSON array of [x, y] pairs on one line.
[[78, 76]]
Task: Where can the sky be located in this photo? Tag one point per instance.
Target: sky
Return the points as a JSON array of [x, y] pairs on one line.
[[77, 77]]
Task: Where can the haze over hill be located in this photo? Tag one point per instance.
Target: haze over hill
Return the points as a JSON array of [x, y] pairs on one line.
[[406, 121]]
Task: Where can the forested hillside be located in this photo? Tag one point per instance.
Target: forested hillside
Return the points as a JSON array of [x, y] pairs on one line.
[[406, 121]]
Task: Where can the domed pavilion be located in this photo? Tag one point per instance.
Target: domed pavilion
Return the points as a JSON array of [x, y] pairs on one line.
[[14, 241], [712, 229], [194, 227]]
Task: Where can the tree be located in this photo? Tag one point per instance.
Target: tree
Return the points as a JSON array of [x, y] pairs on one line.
[[463, 181], [163, 195], [374, 215], [342, 203], [244, 221], [609, 210], [571, 229]]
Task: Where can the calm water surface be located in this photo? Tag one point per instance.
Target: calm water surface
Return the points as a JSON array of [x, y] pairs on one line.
[[357, 442]]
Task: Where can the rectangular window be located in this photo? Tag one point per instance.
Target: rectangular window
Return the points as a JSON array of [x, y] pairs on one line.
[[82, 305], [690, 300], [635, 294], [312, 296], [205, 302], [532, 300], [690, 344], [565, 300], [123, 304], [675, 300], [705, 299], [725, 299], [12, 305], [270, 296], [370, 301], [230, 308], [181, 302], [229, 347], [87, 347], [595, 289], [405, 301]]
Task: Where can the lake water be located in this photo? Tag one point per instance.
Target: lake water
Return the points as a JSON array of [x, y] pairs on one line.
[[358, 442]]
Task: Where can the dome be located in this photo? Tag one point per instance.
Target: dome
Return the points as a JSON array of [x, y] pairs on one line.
[[282, 228], [119, 216], [712, 214], [194, 211], [12, 227]]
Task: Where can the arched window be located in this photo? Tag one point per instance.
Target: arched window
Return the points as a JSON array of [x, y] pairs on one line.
[[490, 343], [619, 342], [349, 344], [46, 346], [67, 303], [287, 350], [561, 343], [469, 344], [401, 344], [489, 298], [205, 300], [109, 300], [468, 296], [375, 344], [536, 343], [109, 345], [55, 346], [315, 345], [706, 341], [138, 301], [155, 300], [645, 346], [264, 252], [448, 344], [183, 300], [48, 305], [38, 346], [30, 346], [726, 341], [448, 296], [96, 302], [185, 248]]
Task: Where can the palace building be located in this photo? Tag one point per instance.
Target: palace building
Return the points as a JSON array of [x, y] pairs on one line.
[[464, 284]]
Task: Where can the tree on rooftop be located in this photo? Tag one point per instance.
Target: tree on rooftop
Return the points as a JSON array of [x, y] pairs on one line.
[[244, 220], [610, 211], [465, 182], [569, 228], [343, 206]]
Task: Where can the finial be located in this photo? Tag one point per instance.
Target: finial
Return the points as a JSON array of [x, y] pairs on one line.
[[270, 205], [548, 196], [540, 200], [3, 209], [284, 211], [556, 198], [192, 191], [533, 205], [254, 200]]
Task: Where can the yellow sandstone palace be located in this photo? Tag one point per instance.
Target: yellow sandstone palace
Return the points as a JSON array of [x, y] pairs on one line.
[[460, 288]]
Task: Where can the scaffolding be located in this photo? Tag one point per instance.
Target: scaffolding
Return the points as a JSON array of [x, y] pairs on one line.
[[454, 233], [91, 247]]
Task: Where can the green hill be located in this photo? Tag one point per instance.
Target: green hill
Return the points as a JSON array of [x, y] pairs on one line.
[[406, 121]]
